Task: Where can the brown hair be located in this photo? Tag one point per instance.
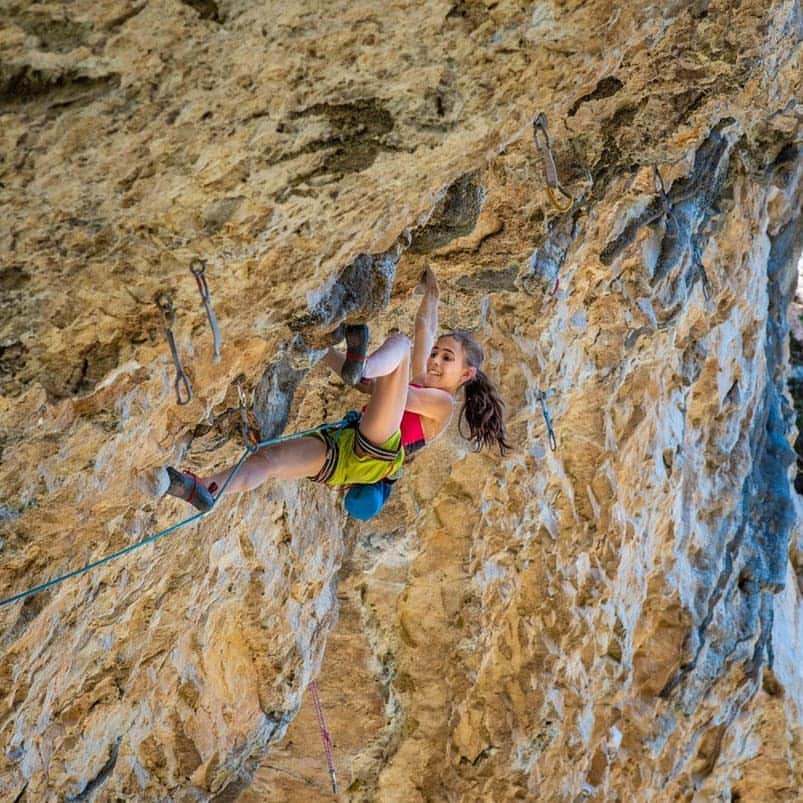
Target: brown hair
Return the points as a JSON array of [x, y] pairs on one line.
[[482, 407]]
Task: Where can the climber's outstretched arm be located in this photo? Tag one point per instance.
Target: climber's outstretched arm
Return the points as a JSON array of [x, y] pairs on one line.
[[426, 325]]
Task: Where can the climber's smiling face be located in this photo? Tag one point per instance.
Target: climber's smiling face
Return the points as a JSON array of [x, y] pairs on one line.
[[447, 368]]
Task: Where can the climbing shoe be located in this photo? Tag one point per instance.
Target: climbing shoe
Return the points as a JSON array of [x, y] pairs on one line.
[[356, 353], [185, 485]]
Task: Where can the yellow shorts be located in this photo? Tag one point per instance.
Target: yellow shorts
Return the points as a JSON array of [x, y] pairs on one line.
[[344, 467]]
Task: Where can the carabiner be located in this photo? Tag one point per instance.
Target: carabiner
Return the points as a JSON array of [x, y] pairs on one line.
[[550, 170], [198, 268], [708, 288], [182, 384], [553, 443]]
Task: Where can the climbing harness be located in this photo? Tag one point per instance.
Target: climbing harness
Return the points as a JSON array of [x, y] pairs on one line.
[[542, 397], [325, 737], [347, 421], [182, 383], [198, 267], [544, 146]]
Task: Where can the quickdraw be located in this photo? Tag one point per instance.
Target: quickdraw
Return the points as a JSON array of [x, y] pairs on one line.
[[544, 146], [198, 267], [708, 288], [182, 383], [542, 397], [658, 182]]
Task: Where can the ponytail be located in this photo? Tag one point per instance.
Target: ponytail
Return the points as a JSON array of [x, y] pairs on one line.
[[482, 407]]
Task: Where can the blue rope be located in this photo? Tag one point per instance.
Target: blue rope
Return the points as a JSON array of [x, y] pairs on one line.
[[348, 420]]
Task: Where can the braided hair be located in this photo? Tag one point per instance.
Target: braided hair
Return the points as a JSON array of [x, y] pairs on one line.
[[482, 406]]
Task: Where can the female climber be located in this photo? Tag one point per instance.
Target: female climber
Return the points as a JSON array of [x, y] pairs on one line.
[[400, 418]]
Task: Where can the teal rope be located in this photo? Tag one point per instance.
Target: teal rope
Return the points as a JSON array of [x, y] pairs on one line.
[[349, 419], [89, 566]]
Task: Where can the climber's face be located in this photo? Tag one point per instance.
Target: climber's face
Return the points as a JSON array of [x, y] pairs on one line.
[[446, 367]]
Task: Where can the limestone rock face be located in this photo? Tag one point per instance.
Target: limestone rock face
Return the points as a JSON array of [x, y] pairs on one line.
[[617, 618]]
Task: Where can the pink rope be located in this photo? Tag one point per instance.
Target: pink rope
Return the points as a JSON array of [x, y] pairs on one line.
[[325, 736]]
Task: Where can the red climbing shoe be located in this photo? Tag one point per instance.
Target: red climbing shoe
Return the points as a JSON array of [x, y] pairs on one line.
[[357, 336], [185, 485]]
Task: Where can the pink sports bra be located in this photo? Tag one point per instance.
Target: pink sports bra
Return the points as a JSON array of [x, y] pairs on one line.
[[412, 430]]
